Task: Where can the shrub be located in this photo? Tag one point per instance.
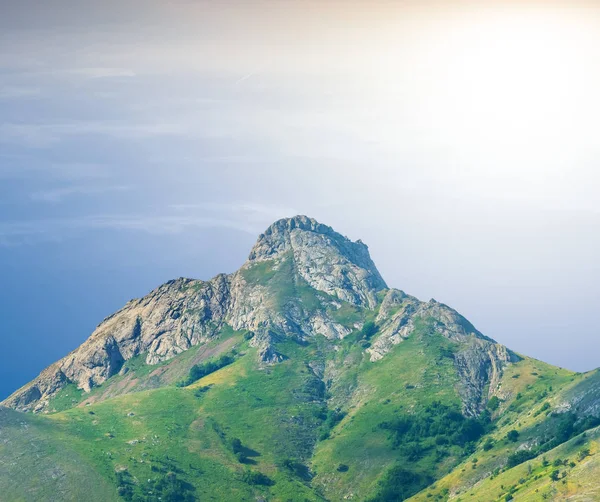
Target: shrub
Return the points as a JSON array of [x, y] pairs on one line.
[[442, 440], [199, 371], [488, 444], [545, 406], [125, 491], [583, 454], [369, 329], [200, 391], [519, 457], [169, 488], [493, 403], [324, 436], [512, 436], [239, 450], [236, 445], [399, 484], [256, 478], [330, 419], [435, 420], [297, 468]]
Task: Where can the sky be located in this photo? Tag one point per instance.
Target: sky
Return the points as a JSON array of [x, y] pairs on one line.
[[146, 140]]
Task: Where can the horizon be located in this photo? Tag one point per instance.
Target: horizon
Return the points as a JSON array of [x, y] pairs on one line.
[[140, 142]]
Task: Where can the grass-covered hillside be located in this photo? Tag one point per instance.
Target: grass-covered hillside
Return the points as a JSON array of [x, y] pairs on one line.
[[543, 448], [379, 430]]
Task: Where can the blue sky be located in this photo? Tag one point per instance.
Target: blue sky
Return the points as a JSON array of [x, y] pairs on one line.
[[141, 141]]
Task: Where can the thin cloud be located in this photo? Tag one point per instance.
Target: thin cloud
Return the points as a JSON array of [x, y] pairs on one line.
[[59, 194], [247, 208], [86, 73], [244, 78], [18, 92], [245, 217], [23, 167], [249, 75], [32, 232], [94, 73], [45, 135]]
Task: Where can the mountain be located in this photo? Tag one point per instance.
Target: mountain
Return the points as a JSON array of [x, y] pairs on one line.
[[302, 376]]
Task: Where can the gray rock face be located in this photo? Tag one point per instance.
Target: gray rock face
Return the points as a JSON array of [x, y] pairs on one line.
[[583, 398], [292, 262], [327, 261], [168, 321], [297, 275], [480, 364], [479, 361]]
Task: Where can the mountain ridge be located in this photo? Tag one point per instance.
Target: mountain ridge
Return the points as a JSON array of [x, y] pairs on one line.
[[185, 312]]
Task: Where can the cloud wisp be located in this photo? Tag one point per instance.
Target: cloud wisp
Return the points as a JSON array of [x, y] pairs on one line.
[[19, 92], [245, 217], [60, 194], [45, 135]]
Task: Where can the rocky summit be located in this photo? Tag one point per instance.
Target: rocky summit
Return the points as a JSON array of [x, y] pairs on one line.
[[301, 376]]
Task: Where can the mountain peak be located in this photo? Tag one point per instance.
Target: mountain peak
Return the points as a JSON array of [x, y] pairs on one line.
[[275, 237], [299, 221], [280, 236], [327, 260]]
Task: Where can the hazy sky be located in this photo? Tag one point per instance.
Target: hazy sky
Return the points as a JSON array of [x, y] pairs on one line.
[[145, 140]]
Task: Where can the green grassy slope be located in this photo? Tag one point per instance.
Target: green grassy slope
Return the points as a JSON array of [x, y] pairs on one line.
[[137, 376], [577, 467], [316, 426], [312, 437], [126, 441], [38, 463], [519, 467], [413, 376]]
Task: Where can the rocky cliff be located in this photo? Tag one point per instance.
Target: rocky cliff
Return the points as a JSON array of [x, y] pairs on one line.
[[298, 278]]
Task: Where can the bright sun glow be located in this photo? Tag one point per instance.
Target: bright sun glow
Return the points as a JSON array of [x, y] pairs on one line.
[[520, 73], [510, 94]]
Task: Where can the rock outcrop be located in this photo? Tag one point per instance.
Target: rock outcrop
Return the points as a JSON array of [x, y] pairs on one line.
[[327, 261], [478, 360]]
